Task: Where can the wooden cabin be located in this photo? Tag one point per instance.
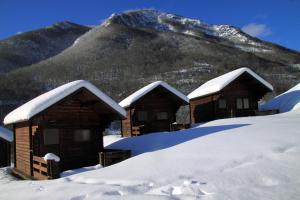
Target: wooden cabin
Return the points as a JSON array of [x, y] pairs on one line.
[[67, 122], [6, 137], [151, 109], [234, 94]]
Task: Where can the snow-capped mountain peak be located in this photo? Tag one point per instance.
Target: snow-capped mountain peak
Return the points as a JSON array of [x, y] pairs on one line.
[[166, 22]]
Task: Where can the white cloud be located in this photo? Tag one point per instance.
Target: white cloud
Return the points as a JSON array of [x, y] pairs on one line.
[[20, 32], [257, 30]]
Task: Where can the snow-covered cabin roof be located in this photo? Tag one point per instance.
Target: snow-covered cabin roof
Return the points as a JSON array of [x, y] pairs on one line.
[[217, 84], [287, 101], [6, 134], [40, 103], [143, 91]]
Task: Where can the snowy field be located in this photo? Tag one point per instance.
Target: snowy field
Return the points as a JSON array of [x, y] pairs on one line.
[[242, 158], [246, 158]]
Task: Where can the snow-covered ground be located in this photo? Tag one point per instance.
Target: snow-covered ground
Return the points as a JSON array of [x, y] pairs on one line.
[[237, 159], [242, 158]]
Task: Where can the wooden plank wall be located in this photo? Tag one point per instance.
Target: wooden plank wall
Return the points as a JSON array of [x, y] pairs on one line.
[[126, 124], [22, 148]]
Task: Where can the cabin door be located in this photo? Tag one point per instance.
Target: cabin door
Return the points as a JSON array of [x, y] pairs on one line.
[[79, 147]]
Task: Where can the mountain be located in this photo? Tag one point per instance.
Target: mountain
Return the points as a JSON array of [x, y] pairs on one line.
[[31, 47], [132, 49]]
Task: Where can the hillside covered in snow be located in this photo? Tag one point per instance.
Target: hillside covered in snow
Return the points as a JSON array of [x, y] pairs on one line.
[[245, 158]]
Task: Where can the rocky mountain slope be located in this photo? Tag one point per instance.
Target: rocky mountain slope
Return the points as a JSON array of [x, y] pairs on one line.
[[135, 48], [31, 47]]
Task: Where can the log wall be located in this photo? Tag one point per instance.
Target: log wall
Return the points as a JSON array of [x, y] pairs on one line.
[[22, 148]]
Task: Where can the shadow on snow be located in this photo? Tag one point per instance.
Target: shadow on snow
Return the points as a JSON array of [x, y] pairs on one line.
[[163, 140]]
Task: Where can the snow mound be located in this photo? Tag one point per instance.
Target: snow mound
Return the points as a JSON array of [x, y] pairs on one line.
[[51, 156], [40, 103], [145, 90], [6, 134], [217, 84], [287, 101]]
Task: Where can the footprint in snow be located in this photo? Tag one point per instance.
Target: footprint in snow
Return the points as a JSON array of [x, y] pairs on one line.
[[285, 149], [81, 197], [114, 193], [194, 186]]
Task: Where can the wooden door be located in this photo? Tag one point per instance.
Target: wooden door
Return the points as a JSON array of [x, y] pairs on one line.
[[78, 151]]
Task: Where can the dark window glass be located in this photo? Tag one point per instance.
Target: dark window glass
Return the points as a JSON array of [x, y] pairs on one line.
[[242, 103], [246, 103], [82, 135], [51, 136], [161, 115], [142, 116], [222, 103]]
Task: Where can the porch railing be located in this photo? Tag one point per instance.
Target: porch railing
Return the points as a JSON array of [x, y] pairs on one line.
[[177, 127], [112, 156], [45, 169]]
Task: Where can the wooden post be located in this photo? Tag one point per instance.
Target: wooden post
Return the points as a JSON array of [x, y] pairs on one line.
[[53, 169], [190, 108], [30, 149], [130, 118], [14, 143]]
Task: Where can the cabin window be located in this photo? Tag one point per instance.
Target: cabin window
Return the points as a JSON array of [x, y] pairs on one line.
[[222, 103], [239, 103], [161, 115], [82, 135], [246, 103], [242, 103], [142, 116], [51, 136]]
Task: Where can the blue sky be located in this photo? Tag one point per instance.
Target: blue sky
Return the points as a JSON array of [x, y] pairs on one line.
[[277, 21]]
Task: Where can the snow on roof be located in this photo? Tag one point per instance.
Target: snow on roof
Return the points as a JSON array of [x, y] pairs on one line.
[[40, 103], [6, 134], [287, 101], [217, 84], [143, 91]]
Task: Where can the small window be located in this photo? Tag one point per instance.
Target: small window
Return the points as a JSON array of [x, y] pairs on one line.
[[142, 116], [51, 136], [239, 103], [222, 103], [242, 103], [246, 103], [161, 115], [82, 135]]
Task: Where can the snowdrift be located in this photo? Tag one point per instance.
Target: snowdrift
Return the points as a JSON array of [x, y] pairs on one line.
[[288, 101]]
